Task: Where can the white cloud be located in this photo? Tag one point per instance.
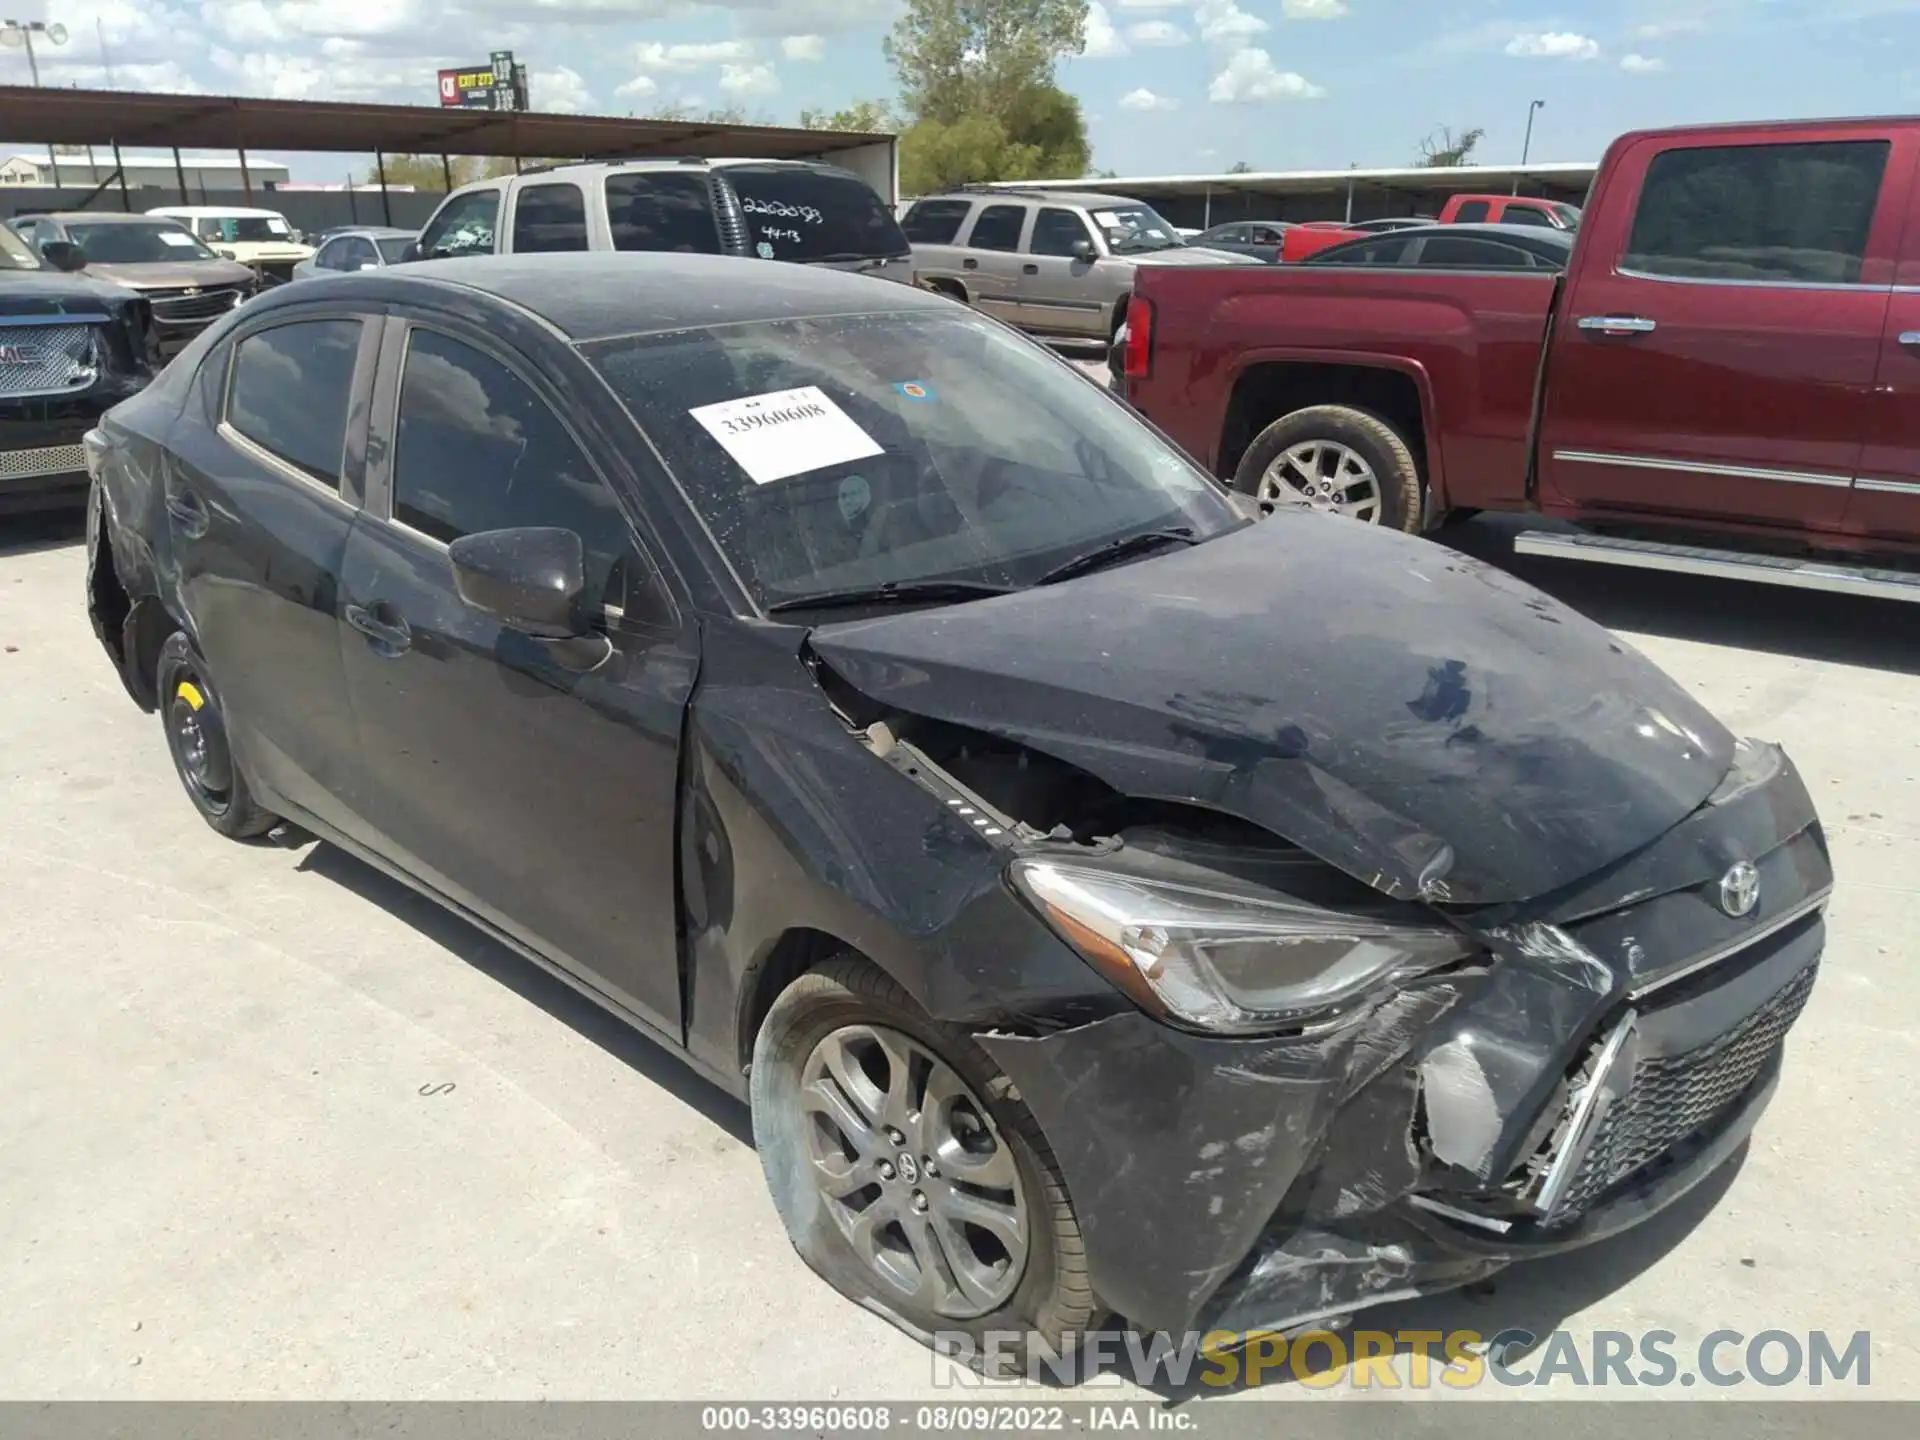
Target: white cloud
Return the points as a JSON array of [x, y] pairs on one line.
[[1102, 41], [637, 88], [1250, 77], [1157, 32], [1145, 99], [748, 82], [652, 55], [1641, 64], [1553, 45], [1313, 9], [1222, 22], [804, 47], [1154, 4], [561, 90]]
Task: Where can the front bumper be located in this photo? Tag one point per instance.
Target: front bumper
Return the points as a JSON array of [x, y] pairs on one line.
[[1613, 1049], [43, 464]]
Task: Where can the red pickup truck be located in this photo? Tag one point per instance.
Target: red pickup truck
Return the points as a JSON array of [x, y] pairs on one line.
[[1725, 378]]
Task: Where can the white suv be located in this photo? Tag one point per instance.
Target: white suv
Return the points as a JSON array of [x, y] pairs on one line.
[[797, 210]]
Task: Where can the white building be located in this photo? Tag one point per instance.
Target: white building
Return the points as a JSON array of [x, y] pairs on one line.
[[144, 172]]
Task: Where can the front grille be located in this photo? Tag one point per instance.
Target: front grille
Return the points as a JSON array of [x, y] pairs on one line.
[[46, 359], [1674, 1096], [174, 308], [48, 460]]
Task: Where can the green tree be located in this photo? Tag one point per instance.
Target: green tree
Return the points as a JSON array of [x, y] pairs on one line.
[[865, 116], [977, 85], [1443, 150], [424, 172], [1240, 167]]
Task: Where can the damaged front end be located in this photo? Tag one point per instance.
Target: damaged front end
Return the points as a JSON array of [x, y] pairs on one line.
[[1496, 1082]]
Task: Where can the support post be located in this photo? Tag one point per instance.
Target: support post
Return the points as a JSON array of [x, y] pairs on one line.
[[120, 169], [446, 172], [1206, 213], [353, 206], [180, 176], [386, 205], [246, 179]]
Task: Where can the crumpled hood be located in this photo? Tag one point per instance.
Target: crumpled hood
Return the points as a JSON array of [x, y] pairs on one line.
[[173, 275], [1424, 721], [56, 292]]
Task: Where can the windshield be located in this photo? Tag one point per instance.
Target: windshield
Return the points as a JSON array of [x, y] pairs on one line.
[[840, 453], [15, 253], [1133, 229], [393, 248], [246, 229], [797, 212], [131, 243]]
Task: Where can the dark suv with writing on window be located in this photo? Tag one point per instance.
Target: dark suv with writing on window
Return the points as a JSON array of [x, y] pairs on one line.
[[797, 210]]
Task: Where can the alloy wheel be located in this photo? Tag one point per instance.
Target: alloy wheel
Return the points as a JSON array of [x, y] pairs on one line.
[[1322, 475], [914, 1171]]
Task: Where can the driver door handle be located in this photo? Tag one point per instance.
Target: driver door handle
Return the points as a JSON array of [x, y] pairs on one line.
[[390, 638], [969, 264], [1029, 269], [1616, 324]]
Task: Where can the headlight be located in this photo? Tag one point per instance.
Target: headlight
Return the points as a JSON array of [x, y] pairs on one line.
[[1222, 960]]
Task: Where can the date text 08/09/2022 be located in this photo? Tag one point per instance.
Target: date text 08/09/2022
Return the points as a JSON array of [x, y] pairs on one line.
[[941, 1419]]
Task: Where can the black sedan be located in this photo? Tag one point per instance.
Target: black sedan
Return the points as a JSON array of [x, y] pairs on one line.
[[1455, 247], [864, 704]]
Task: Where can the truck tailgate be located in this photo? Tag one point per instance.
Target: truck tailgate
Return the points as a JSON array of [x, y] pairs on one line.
[[1471, 341]]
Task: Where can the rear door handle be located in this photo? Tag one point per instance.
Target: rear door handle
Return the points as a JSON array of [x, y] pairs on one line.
[[969, 264], [395, 637], [1029, 269], [1616, 324]]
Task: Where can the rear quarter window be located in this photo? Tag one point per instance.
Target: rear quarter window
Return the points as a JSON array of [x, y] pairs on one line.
[[796, 212], [662, 210], [935, 222]]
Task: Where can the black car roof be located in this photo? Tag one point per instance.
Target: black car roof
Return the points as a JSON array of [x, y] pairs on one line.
[[594, 295]]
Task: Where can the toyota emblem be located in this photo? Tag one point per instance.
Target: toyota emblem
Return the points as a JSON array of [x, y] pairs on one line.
[[1740, 890]]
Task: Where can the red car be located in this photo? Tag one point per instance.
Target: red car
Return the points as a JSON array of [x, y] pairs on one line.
[[1510, 210], [1724, 378]]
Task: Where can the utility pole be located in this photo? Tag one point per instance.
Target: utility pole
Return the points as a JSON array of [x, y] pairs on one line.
[[1526, 145]]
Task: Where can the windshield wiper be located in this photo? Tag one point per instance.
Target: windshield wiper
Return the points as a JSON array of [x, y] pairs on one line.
[[873, 262], [1102, 556], [894, 592]]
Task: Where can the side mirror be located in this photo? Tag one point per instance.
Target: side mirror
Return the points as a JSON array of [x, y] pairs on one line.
[[412, 252], [530, 579], [1083, 250], [64, 255]]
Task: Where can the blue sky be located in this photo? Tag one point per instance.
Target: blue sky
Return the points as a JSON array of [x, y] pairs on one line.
[[1168, 85]]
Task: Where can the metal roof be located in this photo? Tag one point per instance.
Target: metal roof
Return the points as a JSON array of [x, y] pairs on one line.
[[44, 116], [1494, 179]]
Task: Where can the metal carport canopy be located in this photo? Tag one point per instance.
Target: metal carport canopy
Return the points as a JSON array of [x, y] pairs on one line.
[[233, 122]]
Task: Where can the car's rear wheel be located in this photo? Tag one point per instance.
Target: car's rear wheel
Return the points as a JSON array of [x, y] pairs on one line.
[[1337, 460], [197, 740], [908, 1171]]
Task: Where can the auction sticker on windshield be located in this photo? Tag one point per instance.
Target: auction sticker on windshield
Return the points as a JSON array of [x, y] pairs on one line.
[[177, 238], [785, 433]]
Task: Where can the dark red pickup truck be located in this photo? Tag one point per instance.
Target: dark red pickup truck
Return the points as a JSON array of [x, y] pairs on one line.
[[1726, 378]]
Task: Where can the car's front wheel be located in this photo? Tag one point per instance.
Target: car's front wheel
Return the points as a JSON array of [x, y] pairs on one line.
[[908, 1171], [197, 740], [1337, 460]]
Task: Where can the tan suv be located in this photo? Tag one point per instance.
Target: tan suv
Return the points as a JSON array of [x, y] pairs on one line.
[[1057, 263]]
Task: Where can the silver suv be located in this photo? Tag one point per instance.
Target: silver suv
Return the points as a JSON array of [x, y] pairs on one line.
[[1056, 263], [774, 209]]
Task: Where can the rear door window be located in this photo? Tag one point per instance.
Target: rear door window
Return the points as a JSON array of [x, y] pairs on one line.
[[292, 386], [935, 222], [1759, 212], [1527, 215], [1472, 213], [662, 210], [1370, 252], [1460, 252], [466, 225], [548, 218], [806, 212], [998, 228]]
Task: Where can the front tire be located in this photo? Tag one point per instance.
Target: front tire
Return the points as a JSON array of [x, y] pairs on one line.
[[1337, 460], [197, 740], [909, 1173]]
